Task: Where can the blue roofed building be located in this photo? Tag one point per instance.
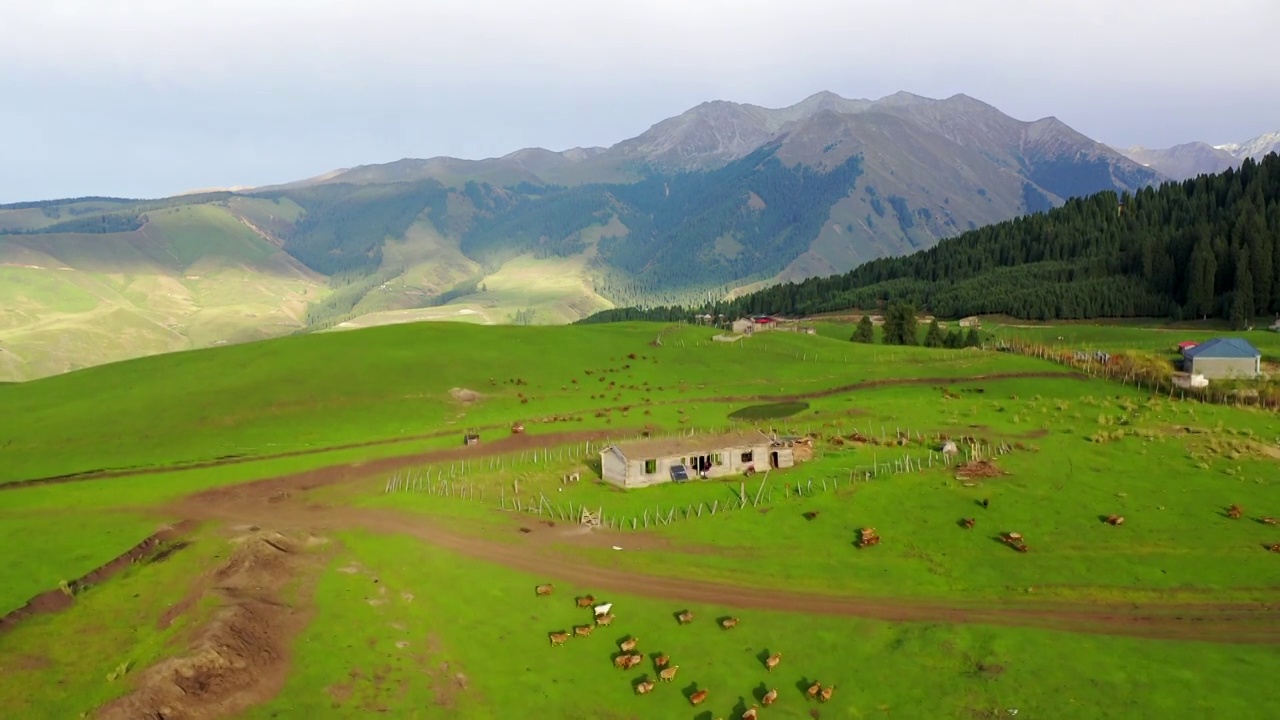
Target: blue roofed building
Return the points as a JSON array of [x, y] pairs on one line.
[[1223, 359]]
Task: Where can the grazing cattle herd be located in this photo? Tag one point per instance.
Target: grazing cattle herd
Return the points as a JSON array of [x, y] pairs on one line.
[[629, 658]]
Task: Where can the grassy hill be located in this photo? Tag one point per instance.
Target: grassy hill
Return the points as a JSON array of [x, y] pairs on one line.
[[336, 537], [189, 276]]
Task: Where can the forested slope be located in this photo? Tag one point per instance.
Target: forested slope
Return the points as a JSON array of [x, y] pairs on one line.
[[1208, 247]]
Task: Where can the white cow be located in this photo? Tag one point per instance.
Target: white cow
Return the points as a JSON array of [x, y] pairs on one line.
[[603, 609]]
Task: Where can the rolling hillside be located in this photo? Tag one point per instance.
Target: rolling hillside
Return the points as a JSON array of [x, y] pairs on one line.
[[722, 199]]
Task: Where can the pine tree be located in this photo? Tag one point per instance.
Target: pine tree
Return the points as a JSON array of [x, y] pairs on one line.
[[934, 338], [972, 339], [1201, 276], [866, 332], [1242, 300], [900, 325]]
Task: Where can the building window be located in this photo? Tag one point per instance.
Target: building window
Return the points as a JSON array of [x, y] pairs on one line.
[[718, 459], [650, 467], [747, 456]]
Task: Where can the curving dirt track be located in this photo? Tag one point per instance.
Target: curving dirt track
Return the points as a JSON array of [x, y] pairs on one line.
[[273, 503]]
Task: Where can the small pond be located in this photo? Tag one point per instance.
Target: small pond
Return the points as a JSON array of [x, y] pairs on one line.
[[771, 411]]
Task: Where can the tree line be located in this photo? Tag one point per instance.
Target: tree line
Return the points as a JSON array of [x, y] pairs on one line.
[[1204, 248]]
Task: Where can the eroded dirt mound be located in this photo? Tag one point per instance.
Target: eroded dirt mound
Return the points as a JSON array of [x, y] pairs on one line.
[[978, 469], [240, 656]]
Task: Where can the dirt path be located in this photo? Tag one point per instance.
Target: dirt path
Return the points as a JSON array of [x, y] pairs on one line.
[[102, 474], [240, 657], [542, 553]]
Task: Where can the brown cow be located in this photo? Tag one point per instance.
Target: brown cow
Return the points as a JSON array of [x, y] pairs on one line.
[[669, 673], [772, 661], [825, 695], [1275, 548], [752, 714], [728, 623], [604, 619], [644, 686], [634, 659], [968, 523], [586, 601], [546, 589], [620, 661], [698, 697], [558, 638], [770, 697], [1234, 512], [661, 661], [583, 630], [813, 690], [1021, 547], [1115, 519], [684, 617], [628, 645], [1270, 521]]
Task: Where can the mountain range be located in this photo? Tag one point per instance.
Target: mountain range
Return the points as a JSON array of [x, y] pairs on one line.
[[721, 199], [1188, 160]]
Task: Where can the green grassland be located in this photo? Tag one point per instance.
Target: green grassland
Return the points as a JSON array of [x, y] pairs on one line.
[[490, 630], [440, 635], [192, 276], [333, 388], [65, 665]]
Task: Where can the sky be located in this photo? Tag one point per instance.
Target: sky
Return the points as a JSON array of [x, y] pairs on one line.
[[148, 98]]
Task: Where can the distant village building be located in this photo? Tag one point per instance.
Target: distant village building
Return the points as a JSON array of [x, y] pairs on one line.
[[971, 321], [643, 463], [1223, 358]]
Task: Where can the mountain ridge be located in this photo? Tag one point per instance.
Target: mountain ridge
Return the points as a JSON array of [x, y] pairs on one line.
[[721, 197], [1192, 159]]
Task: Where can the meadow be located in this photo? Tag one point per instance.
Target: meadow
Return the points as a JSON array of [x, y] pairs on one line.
[[410, 572]]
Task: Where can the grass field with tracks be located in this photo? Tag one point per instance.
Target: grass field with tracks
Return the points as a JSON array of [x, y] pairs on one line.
[[333, 465]]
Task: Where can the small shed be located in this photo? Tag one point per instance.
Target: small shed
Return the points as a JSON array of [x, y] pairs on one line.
[[643, 463], [471, 439], [1223, 358], [1189, 380]]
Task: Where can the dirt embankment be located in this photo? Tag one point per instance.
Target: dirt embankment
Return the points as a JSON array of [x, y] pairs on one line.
[[240, 656], [58, 599]]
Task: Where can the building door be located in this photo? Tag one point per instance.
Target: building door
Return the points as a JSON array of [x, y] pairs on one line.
[[773, 459]]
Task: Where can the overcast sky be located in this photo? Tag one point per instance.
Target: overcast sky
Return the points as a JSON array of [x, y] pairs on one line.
[[146, 98]]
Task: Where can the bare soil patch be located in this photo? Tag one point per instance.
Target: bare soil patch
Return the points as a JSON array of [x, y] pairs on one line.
[[155, 547], [977, 470], [464, 396], [240, 657]]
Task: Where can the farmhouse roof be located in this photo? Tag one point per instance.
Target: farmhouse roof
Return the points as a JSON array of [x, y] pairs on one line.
[[1224, 348], [684, 445]]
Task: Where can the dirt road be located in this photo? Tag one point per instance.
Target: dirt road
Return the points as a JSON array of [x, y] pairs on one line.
[[281, 505]]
